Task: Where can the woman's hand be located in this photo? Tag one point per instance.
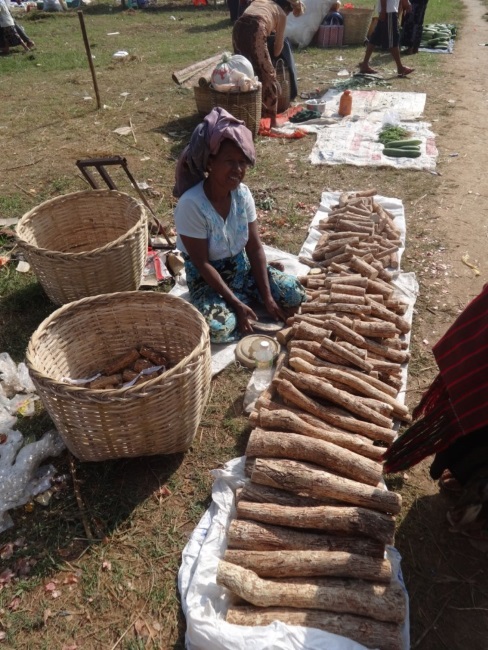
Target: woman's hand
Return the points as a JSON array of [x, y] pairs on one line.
[[274, 309], [244, 315]]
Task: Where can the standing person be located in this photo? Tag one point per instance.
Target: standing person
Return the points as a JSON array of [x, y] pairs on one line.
[[249, 38], [387, 36], [11, 34], [413, 25], [218, 235]]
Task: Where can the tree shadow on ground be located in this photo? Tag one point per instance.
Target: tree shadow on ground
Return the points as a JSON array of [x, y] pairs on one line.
[[446, 579]]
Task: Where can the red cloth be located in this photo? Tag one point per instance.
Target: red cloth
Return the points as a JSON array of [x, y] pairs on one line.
[[456, 403], [281, 118]]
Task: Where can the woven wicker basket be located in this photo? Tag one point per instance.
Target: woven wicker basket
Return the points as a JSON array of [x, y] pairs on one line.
[[246, 106], [85, 244], [159, 416], [284, 89], [356, 24], [203, 99]]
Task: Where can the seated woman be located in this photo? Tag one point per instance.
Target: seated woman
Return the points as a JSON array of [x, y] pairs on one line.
[[218, 234]]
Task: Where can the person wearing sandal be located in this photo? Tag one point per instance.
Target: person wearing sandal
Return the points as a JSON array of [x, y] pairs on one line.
[[386, 35], [218, 235]]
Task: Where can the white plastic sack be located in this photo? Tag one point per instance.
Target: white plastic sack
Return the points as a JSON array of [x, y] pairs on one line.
[[301, 30]]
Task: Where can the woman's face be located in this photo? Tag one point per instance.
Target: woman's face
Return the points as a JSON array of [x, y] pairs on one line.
[[228, 168]]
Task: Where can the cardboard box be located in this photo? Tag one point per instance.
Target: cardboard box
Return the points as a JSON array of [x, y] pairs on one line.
[[329, 36]]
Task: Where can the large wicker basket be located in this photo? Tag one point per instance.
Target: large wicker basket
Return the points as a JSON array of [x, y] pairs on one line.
[[284, 88], [159, 416], [203, 99], [85, 243], [356, 24], [246, 106]]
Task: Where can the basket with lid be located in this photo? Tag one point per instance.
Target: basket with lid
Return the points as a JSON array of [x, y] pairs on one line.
[[85, 243], [158, 416]]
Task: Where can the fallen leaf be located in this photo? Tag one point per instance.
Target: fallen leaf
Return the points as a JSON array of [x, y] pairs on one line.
[[3, 636], [47, 615], [6, 551], [70, 579], [50, 586], [465, 260], [14, 604], [123, 130], [106, 565], [6, 577], [141, 629], [55, 593]]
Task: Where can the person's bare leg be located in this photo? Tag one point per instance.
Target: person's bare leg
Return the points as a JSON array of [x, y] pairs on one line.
[[364, 66], [402, 70]]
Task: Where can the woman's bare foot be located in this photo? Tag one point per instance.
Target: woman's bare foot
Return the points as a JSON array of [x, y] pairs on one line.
[[366, 69], [404, 71]]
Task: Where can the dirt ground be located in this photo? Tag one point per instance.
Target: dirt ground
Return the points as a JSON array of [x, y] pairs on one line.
[[447, 219]]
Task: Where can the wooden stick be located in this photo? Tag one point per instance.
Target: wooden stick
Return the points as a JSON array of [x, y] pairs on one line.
[[286, 420], [378, 601], [274, 444], [336, 417], [311, 480], [89, 57], [352, 381], [323, 389], [337, 520], [255, 536], [290, 564], [366, 631]]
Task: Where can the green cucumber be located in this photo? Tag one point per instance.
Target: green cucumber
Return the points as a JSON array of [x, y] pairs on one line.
[[399, 144], [401, 153]]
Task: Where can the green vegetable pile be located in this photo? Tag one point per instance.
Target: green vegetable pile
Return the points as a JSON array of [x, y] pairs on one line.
[[396, 143], [391, 132], [402, 149], [437, 36]]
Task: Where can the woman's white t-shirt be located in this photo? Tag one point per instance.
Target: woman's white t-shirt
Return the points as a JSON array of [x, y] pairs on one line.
[[391, 6], [196, 217]]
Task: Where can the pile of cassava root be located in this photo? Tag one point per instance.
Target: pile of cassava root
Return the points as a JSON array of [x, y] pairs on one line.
[[307, 546], [135, 366]]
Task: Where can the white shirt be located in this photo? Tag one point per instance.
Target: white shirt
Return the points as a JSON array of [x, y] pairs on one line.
[[6, 19], [196, 217], [391, 6]]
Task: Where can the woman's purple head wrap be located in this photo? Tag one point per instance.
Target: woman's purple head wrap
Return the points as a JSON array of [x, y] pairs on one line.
[[205, 141]]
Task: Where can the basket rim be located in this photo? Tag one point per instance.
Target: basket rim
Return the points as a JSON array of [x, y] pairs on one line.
[[83, 254], [114, 392]]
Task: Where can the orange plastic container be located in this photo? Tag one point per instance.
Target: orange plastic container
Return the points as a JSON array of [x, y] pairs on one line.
[[345, 103]]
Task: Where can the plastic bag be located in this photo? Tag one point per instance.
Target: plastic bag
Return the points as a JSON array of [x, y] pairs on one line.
[[391, 118], [21, 478]]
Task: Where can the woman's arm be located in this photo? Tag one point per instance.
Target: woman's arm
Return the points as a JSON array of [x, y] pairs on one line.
[[279, 35], [197, 250], [257, 259]]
